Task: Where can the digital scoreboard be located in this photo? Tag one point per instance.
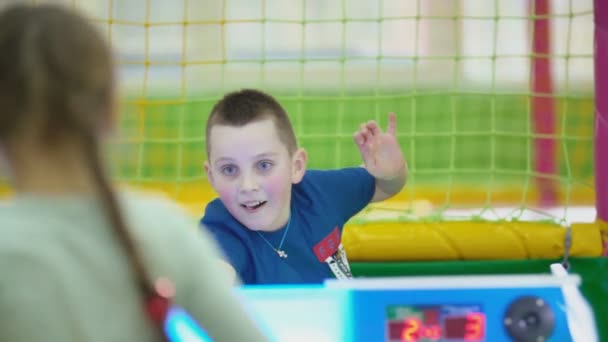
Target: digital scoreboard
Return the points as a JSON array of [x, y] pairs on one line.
[[426, 309]]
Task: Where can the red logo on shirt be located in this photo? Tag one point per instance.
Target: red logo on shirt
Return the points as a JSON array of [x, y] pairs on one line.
[[328, 246]]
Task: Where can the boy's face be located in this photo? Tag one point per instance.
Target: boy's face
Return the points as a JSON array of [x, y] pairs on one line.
[[251, 169]]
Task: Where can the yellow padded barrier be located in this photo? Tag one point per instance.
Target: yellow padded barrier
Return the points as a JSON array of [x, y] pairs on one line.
[[403, 241]]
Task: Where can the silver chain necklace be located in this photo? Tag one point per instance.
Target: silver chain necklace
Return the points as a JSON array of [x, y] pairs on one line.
[[280, 252]]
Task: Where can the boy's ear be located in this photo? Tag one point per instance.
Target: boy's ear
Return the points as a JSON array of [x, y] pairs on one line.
[[298, 165], [208, 172]]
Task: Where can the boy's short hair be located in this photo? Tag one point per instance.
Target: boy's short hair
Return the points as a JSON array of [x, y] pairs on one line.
[[245, 106]]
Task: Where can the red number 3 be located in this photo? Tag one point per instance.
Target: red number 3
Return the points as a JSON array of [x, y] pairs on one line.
[[474, 329]]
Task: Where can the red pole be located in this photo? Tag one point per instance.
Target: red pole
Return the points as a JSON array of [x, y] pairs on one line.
[[601, 116], [543, 107]]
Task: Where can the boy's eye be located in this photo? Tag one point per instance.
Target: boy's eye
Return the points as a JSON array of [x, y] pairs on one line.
[[264, 165], [229, 170]]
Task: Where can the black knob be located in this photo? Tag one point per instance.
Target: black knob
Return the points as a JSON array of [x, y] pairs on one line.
[[529, 319]]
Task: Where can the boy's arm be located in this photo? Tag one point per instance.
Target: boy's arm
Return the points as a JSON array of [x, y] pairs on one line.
[[387, 188], [382, 157], [209, 295]]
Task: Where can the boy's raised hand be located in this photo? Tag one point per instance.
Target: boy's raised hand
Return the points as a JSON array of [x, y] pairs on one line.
[[381, 152]]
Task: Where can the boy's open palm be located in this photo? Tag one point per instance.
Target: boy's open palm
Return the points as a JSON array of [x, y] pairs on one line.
[[381, 152]]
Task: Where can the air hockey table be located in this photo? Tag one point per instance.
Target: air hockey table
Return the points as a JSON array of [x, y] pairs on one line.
[[495, 308]]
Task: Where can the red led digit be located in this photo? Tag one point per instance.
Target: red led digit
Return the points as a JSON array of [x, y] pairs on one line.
[[411, 331], [475, 326]]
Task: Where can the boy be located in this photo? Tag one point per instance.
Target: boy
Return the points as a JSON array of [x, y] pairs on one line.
[[276, 222]]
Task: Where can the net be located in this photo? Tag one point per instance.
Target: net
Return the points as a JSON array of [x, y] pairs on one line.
[[458, 74], [494, 99]]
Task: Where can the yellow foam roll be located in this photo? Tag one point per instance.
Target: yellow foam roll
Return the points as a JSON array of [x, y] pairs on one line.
[[399, 241]]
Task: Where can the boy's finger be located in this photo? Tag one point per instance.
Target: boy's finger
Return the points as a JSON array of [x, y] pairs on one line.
[[365, 150], [372, 126], [392, 124], [358, 137], [363, 128], [368, 131]]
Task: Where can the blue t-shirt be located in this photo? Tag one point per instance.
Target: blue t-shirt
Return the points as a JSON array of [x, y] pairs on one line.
[[321, 204]]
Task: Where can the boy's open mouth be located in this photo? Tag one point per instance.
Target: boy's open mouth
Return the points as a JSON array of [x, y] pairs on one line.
[[253, 205]]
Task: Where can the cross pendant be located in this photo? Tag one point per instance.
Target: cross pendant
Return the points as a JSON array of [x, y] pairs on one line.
[[282, 254]]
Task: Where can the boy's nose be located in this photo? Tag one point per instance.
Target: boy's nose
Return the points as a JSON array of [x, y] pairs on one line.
[[248, 183]]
